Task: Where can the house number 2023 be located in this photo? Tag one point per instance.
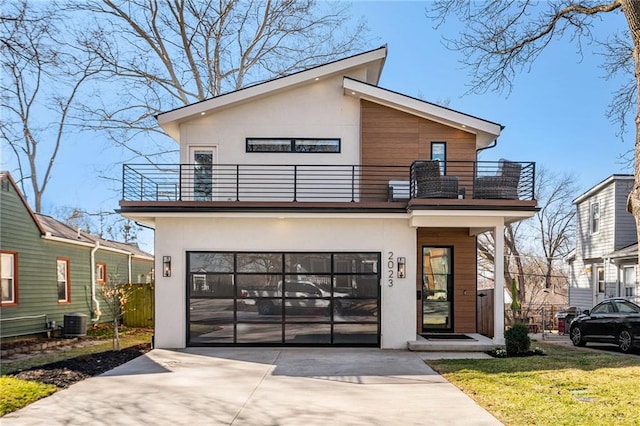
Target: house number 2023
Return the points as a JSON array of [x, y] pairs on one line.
[[391, 266]]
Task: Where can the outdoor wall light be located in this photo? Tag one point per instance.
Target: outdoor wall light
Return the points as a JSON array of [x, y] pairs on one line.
[[166, 266], [402, 267]]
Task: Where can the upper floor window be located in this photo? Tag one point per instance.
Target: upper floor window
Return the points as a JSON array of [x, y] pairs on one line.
[[62, 271], [439, 153], [8, 277], [594, 217], [298, 145], [101, 273]]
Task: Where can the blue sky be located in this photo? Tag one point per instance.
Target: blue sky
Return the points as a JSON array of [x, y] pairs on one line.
[[554, 116]]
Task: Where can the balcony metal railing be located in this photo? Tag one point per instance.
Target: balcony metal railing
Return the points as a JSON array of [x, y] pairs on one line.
[[319, 183]]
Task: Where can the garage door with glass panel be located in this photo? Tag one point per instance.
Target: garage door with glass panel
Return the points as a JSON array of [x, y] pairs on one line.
[[297, 299]]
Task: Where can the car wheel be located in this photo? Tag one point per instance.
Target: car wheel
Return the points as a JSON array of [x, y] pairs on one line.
[[337, 308], [625, 340], [265, 307], [576, 336]]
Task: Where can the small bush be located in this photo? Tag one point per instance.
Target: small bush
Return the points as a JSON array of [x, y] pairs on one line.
[[517, 340], [498, 353]]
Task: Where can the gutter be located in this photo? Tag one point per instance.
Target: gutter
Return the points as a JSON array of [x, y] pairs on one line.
[[96, 311]]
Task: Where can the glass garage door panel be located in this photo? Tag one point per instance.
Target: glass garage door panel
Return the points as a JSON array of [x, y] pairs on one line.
[[259, 333], [307, 334], [355, 334], [211, 321]]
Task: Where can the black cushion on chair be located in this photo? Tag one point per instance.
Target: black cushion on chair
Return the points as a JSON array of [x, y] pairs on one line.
[[431, 184], [502, 186]]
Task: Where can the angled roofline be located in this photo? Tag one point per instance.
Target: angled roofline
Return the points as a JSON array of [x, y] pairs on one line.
[[87, 240], [7, 176], [486, 131], [374, 59], [599, 186], [628, 252]]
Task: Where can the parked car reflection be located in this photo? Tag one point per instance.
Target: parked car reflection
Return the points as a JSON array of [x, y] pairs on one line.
[[615, 321]]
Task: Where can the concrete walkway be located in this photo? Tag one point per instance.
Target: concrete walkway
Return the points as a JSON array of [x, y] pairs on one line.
[[261, 386]]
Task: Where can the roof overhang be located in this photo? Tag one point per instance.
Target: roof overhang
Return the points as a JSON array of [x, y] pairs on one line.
[[478, 221], [486, 131], [372, 62], [600, 186]]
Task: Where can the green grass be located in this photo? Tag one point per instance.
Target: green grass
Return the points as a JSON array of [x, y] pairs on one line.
[[15, 393], [566, 387]]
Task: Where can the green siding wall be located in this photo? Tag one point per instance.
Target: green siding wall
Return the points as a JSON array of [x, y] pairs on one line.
[[37, 281]]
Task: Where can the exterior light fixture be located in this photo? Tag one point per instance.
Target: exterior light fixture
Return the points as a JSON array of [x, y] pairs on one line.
[[166, 266], [402, 267]]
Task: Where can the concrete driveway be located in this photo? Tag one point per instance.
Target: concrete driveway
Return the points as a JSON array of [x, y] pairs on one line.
[[261, 386]]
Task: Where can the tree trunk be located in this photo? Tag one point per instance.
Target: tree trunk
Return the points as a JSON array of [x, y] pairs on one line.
[[631, 10]]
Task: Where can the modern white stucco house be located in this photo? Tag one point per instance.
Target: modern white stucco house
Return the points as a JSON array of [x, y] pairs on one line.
[[321, 209], [605, 261]]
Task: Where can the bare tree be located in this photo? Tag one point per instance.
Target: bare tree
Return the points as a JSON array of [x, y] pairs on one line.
[[169, 53], [42, 79], [103, 224], [534, 248], [503, 38], [556, 218]]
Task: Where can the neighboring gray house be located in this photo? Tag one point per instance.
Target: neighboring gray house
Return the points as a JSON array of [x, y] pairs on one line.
[[605, 260]]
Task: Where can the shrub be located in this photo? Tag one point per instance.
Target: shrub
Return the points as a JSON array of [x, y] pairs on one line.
[[517, 340]]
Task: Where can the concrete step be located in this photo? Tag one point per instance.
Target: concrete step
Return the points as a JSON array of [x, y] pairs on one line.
[[476, 343]]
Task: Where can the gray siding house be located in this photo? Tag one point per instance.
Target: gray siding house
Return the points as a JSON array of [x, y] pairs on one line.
[[48, 269], [605, 261]]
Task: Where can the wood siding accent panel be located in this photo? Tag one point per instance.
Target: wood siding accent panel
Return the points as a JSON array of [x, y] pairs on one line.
[[393, 137], [464, 272]]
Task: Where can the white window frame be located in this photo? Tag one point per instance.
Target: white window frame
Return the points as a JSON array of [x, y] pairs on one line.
[[594, 217], [629, 284], [62, 265], [8, 276], [600, 284], [101, 272]]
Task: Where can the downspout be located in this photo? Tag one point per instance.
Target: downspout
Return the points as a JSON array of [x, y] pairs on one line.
[[493, 145], [130, 267], [96, 310]]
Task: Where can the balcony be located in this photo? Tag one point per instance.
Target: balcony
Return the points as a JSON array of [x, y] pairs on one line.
[[423, 182]]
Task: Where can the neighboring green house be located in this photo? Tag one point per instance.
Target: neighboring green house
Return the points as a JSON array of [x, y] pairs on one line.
[[49, 270]]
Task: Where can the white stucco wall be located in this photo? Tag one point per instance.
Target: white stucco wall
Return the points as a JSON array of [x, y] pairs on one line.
[[176, 236], [316, 110]]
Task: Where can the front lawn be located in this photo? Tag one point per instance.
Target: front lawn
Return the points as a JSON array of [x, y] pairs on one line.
[[16, 393], [566, 387]]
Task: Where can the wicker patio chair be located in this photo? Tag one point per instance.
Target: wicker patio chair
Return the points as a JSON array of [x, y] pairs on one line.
[[430, 183], [504, 185]]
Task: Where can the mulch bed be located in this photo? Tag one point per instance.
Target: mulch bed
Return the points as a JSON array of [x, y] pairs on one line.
[[65, 373]]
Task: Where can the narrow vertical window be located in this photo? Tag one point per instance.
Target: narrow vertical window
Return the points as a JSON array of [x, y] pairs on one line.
[[8, 277], [62, 271], [101, 273], [595, 217], [629, 279], [439, 153]]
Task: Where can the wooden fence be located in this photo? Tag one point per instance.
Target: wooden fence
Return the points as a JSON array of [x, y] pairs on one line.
[[139, 310]]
